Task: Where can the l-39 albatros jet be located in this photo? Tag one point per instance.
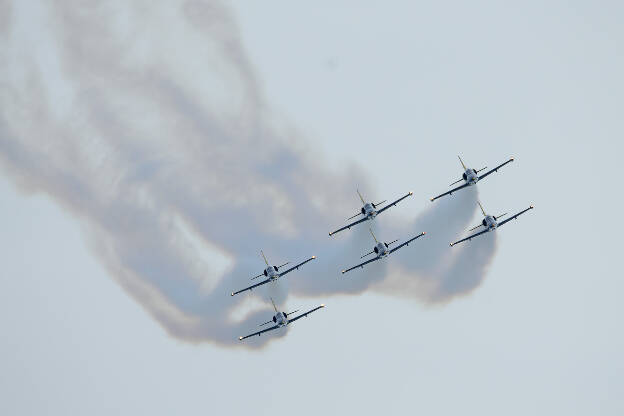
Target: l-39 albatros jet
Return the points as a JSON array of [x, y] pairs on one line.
[[369, 211], [272, 273], [490, 222], [281, 319], [382, 250], [470, 177]]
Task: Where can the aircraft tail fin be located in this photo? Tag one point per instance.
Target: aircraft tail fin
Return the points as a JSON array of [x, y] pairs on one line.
[[462, 162], [361, 199], [371, 231], [482, 210]]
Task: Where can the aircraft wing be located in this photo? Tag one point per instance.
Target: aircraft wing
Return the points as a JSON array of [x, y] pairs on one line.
[[515, 216], [259, 332], [290, 321], [392, 204], [450, 192], [469, 237], [495, 169], [348, 226], [297, 266], [406, 243], [361, 264], [251, 287]]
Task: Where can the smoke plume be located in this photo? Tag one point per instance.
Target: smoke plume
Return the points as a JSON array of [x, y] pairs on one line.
[[146, 122]]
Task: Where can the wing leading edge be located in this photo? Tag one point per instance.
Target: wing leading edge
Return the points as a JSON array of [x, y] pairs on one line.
[[393, 204], [290, 321], [259, 332], [470, 237], [450, 192], [251, 287], [297, 266], [407, 242], [361, 265], [348, 226], [515, 216], [496, 168]]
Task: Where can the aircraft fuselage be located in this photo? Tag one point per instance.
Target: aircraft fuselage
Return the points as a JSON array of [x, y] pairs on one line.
[[489, 222], [381, 250], [470, 176], [271, 272], [280, 319], [369, 210]]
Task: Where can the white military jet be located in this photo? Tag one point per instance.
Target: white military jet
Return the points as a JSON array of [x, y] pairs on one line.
[[471, 177], [490, 222], [369, 211], [272, 273], [281, 319], [382, 250]]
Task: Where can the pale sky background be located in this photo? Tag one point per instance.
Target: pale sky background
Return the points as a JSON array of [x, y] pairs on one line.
[[399, 91]]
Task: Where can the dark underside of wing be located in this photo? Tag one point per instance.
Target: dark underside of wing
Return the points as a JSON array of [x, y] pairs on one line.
[[251, 287], [495, 169], [515, 216], [259, 332], [450, 192], [406, 243], [469, 237], [348, 226], [290, 321], [392, 204], [361, 265], [297, 266]]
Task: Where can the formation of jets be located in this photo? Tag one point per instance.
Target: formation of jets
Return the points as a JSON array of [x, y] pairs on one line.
[[381, 250]]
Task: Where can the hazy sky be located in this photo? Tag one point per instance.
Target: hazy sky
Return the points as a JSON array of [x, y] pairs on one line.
[[381, 96]]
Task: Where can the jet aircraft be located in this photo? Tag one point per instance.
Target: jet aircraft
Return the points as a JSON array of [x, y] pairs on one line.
[[281, 319], [471, 177], [272, 273], [369, 211], [382, 250], [490, 222]]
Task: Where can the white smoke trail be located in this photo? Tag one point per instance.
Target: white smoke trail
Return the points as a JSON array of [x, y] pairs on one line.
[[147, 123]]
